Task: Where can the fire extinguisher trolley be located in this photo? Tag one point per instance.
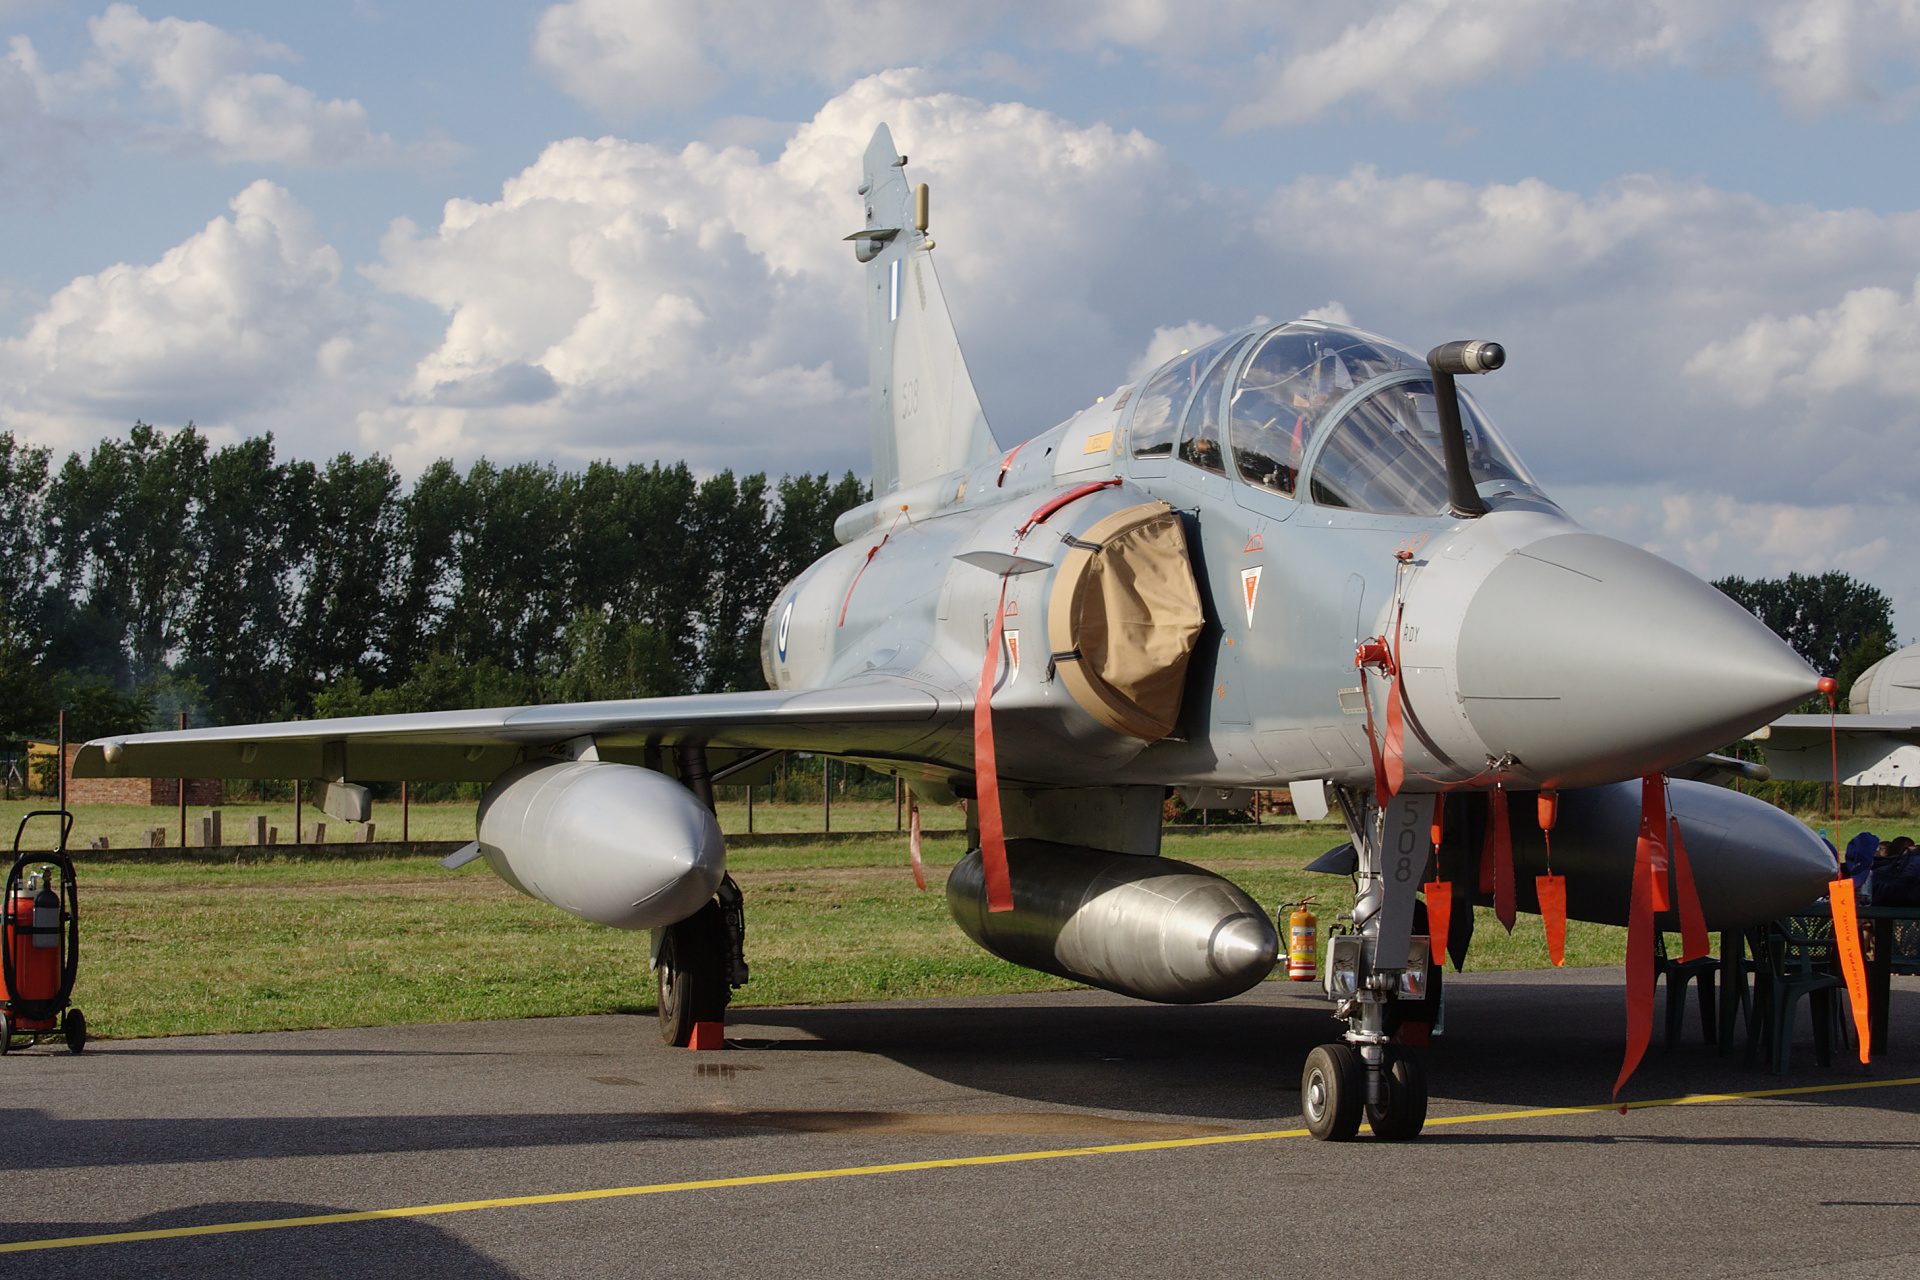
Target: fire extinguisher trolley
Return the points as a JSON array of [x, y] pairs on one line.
[[40, 943]]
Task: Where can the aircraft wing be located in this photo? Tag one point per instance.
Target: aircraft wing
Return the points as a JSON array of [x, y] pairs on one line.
[[1878, 750], [871, 718]]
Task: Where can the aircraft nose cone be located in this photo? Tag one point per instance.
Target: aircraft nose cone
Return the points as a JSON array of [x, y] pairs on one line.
[[1591, 661], [1243, 949]]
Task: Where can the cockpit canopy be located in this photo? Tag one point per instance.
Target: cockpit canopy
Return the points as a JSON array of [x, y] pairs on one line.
[[1257, 404]]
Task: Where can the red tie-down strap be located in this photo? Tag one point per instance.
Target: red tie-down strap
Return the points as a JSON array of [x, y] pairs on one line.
[[986, 776], [1550, 888], [1853, 965], [1640, 975], [1693, 921], [1653, 837], [1651, 896], [1439, 891], [1375, 653], [913, 842], [1395, 750], [1840, 892], [1499, 851]]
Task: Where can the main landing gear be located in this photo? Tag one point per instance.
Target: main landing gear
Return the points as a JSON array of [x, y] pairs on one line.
[[1382, 977], [698, 962]]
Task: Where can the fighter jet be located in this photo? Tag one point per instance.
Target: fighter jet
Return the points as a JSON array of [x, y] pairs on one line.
[[1299, 555], [1876, 743]]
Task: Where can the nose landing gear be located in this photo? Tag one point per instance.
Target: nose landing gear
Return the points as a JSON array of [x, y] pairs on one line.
[[1378, 969]]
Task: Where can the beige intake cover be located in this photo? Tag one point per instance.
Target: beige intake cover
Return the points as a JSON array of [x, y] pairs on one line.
[[1129, 608]]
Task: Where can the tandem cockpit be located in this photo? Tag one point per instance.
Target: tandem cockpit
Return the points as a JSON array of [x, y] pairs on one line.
[[1317, 413]]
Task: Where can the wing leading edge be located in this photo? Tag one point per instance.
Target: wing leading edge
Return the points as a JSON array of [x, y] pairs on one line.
[[873, 719]]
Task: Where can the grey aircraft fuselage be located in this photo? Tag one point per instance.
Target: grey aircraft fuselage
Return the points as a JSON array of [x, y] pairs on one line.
[[1591, 661]]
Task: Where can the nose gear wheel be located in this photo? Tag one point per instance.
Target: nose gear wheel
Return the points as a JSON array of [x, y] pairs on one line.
[[1333, 1091]]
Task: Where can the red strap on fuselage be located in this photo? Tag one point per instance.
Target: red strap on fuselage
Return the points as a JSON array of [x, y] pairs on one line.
[[1053, 504], [986, 777]]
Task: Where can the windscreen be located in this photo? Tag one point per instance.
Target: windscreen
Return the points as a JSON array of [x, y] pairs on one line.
[[1157, 417], [1200, 433], [1297, 374], [1385, 455]]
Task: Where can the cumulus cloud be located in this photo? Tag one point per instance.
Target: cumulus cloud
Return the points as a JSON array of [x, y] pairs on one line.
[[1291, 60], [621, 56], [1869, 340], [701, 302], [244, 317], [1717, 534], [198, 91], [1169, 341]]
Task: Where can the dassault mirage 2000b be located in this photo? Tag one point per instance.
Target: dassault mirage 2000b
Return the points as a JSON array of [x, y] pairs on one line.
[[1298, 555]]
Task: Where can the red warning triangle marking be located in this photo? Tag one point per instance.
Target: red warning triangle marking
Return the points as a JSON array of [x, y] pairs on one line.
[[1250, 584], [1255, 543]]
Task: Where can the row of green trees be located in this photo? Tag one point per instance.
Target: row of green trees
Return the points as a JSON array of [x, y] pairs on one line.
[[157, 574]]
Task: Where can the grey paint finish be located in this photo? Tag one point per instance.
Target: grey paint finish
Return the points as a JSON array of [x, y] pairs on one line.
[[1150, 928], [1587, 659], [611, 843]]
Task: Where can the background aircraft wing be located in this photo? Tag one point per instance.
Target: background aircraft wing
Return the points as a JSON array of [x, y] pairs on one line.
[[871, 718], [1880, 750]]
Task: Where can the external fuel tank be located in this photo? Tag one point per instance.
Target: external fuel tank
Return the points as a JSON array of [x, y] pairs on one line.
[[612, 843], [1147, 927]]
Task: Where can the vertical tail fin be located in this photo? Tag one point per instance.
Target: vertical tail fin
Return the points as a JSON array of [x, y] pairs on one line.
[[925, 415]]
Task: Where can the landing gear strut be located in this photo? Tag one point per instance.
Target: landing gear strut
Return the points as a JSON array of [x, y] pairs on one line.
[[698, 962], [1376, 970]]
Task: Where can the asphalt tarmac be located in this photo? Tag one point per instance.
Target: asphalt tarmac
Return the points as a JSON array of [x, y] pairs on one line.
[[220, 1132]]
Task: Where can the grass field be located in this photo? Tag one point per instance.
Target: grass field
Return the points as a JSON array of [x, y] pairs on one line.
[[315, 940], [172, 948]]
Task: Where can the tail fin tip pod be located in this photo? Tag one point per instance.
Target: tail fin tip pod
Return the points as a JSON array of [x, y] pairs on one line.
[[925, 414]]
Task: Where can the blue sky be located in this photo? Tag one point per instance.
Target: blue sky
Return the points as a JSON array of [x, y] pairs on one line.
[[611, 227]]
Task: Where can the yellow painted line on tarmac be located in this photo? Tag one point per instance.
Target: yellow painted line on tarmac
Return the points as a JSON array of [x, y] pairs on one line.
[[861, 1171]]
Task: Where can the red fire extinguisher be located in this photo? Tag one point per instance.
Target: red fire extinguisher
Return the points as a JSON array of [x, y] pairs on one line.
[[1303, 951], [40, 944]]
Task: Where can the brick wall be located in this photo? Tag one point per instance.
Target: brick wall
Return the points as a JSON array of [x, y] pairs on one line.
[[200, 791]]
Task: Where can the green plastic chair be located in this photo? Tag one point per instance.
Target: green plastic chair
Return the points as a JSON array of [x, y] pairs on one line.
[[1678, 974], [1796, 958]]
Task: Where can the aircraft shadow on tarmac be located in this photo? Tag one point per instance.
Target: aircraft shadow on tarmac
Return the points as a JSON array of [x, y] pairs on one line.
[[393, 1246], [79, 1144], [1508, 1045]]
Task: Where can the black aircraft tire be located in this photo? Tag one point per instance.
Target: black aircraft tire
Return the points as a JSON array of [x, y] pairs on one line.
[[6, 1034], [1333, 1092], [74, 1027], [1405, 1113], [691, 976]]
